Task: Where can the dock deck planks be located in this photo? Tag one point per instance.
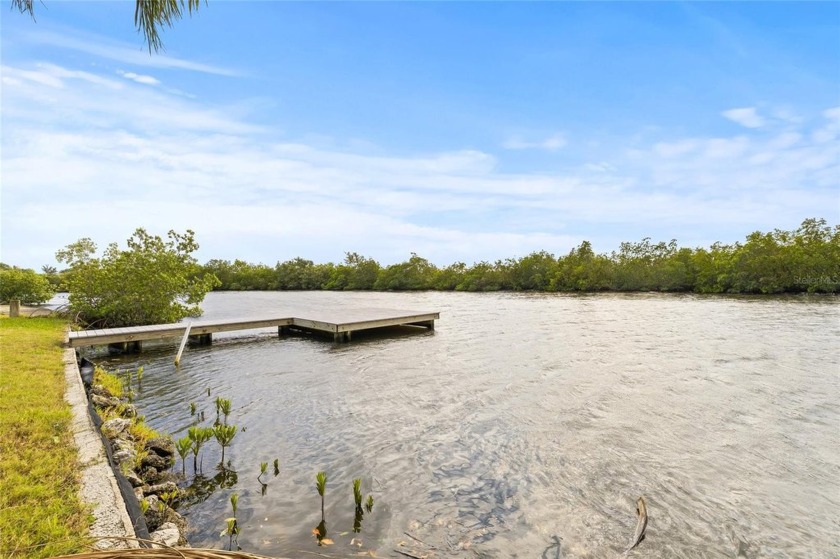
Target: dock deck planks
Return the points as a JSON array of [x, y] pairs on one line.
[[340, 324]]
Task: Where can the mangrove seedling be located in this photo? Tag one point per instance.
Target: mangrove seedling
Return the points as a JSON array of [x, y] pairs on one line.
[[192, 408], [199, 436], [263, 467], [218, 403], [369, 503], [139, 377], [357, 520], [232, 529], [184, 446], [232, 526], [321, 486], [224, 435], [169, 497], [208, 391], [224, 405], [357, 493], [276, 467]]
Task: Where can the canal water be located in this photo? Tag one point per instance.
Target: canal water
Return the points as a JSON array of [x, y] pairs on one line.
[[525, 425]]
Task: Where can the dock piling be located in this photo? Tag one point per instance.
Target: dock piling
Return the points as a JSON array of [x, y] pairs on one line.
[[183, 344]]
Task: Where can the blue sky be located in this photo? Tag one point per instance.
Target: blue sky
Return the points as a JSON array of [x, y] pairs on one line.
[[460, 131]]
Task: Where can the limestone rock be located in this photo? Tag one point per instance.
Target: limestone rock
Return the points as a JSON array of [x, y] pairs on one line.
[[100, 390], [125, 456], [165, 487], [162, 446], [133, 478], [115, 427], [180, 522], [167, 534], [152, 460], [122, 444], [128, 410], [104, 401], [150, 475], [155, 512]]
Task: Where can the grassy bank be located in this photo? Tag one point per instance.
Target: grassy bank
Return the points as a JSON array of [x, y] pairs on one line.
[[40, 511]]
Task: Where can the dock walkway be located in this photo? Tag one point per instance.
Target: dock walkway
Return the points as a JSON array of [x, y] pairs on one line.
[[340, 324]]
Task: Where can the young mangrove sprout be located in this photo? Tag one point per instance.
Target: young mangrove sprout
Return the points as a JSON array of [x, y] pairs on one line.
[[218, 403], [198, 435], [169, 498], [321, 486], [232, 528], [276, 467], [184, 446], [357, 493], [224, 405], [369, 503], [263, 467], [139, 376], [192, 408], [224, 435]]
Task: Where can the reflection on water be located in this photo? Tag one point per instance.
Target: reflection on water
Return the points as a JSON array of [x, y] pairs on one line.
[[523, 426], [199, 487]]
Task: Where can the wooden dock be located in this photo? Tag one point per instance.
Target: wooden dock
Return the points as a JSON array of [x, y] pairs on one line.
[[339, 324]]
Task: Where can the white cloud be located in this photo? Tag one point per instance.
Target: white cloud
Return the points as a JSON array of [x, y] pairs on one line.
[[139, 78], [78, 144], [551, 143], [747, 117]]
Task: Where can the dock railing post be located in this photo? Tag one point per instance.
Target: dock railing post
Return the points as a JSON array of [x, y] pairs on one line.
[[183, 344]]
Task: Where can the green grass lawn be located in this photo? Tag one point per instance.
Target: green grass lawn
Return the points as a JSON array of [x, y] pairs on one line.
[[40, 511]]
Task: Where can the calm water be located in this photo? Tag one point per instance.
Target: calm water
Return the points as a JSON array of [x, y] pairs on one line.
[[525, 426]]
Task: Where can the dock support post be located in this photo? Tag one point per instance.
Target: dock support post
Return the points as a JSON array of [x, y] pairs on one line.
[[283, 330], [124, 347], [201, 339], [14, 308], [183, 344], [342, 337]]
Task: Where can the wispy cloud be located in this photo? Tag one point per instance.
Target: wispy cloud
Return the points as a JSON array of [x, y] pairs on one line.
[[747, 116], [121, 52], [551, 143]]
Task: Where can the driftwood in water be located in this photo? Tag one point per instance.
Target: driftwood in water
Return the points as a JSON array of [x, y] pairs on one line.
[[641, 523]]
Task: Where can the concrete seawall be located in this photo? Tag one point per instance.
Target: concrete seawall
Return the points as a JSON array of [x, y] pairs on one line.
[[99, 488]]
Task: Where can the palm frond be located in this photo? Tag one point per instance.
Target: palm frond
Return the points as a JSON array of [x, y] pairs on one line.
[[151, 15], [25, 6]]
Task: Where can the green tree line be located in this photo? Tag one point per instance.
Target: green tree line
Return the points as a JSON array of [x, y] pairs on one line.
[[806, 260]]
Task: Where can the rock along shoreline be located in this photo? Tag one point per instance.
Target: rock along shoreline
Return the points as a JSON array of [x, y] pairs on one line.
[[125, 479]]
